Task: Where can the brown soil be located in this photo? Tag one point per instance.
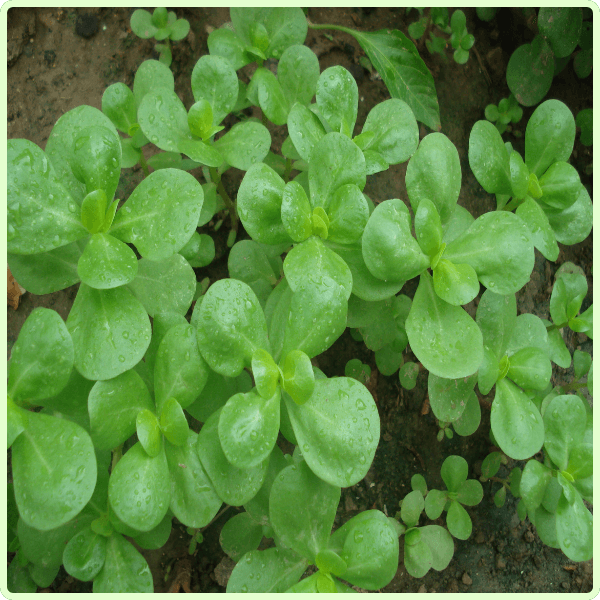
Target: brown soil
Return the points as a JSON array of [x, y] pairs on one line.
[[53, 69]]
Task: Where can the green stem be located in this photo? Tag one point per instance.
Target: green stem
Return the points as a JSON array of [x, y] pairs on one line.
[[288, 169], [571, 387], [514, 203], [117, 453], [216, 178], [144, 164]]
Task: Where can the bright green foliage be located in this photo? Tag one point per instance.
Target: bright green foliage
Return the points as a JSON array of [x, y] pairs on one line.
[[462, 41], [161, 25], [111, 455], [508, 111]]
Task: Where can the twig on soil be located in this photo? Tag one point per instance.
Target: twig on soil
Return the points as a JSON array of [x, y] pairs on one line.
[[183, 577], [415, 453], [486, 74]]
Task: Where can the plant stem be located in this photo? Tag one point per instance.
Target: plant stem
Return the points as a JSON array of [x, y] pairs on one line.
[[216, 178], [144, 164], [117, 453], [218, 515], [513, 203], [288, 169]]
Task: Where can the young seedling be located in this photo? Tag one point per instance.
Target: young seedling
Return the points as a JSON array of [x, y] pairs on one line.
[[462, 41], [162, 26], [508, 111]]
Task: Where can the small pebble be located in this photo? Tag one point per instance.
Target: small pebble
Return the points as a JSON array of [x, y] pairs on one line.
[[466, 579], [500, 564]]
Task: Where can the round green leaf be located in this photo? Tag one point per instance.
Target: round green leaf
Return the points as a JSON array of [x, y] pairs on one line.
[[458, 521], [530, 71], [455, 284], [544, 239], [270, 95], [440, 543], [173, 422], [488, 158], [113, 407], [234, 486], [241, 534], [42, 357], [448, 397], [443, 337], [248, 428], [530, 368], [298, 73], [305, 130], [574, 529], [561, 27], [573, 224], [107, 262], [470, 419], [230, 327], [54, 471], [148, 432], [348, 214], [138, 489], [302, 508], [224, 42], [412, 506], [389, 250], [396, 130], [499, 247], [193, 499], [244, 145], [110, 331], [125, 569], [418, 558], [434, 173], [533, 484], [84, 555], [118, 104], [337, 430], [335, 161], [337, 99], [153, 221], [516, 423], [42, 215], [549, 137], [180, 372], [296, 212], [259, 203]]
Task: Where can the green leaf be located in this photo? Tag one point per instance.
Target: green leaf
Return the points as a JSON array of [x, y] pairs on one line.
[[540, 228], [455, 284], [298, 73], [368, 543], [498, 246], [530, 369], [240, 535], [148, 432], [224, 42], [85, 554], [96, 159], [470, 493], [233, 485], [93, 209], [488, 159], [151, 75], [533, 484], [405, 74], [231, 326], [454, 472], [200, 152], [107, 262], [259, 203], [41, 358], [348, 214], [244, 144], [447, 397], [440, 543], [317, 317], [278, 568], [125, 569], [305, 130], [271, 97], [302, 508], [549, 137], [458, 521], [312, 263], [565, 423], [285, 27], [574, 529], [113, 407], [389, 250], [150, 219], [298, 377], [337, 430], [173, 422], [193, 499], [560, 186], [428, 227], [60, 453], [248, 428], [142, 24], [412, 506], [470, 419], [335, 161], [47, 272], [408, 375], [42, 215], [337, 99], [530, 71], [156, 538], [561, 27], [443, 337], [138, 490], [296, 212], [519, 175], [110, 331], [214, 79], [418, 557], [516, 423]]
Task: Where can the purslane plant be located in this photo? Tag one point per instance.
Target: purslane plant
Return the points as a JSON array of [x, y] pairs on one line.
[[110, 455]]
